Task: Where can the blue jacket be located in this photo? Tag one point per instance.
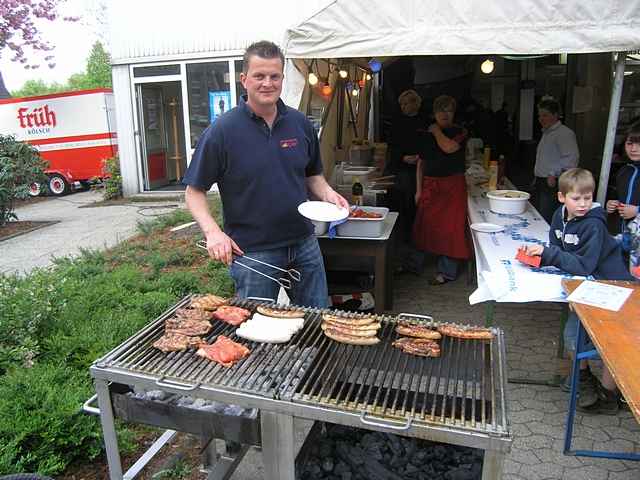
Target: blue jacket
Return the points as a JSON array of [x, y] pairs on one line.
[[583, 246]]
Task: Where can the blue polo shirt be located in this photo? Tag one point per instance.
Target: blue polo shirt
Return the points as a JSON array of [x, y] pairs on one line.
[[260, 173]]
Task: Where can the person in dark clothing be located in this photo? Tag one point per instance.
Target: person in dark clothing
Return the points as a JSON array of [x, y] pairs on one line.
[[405, 141], [441, 193], [265, 159], [580, 244], [628, 180]]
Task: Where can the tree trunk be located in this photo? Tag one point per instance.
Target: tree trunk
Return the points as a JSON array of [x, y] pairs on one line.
[[4, 93]]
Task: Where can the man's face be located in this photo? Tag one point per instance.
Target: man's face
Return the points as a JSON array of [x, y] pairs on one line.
[[263, 81], [576, 203], [546, 118]]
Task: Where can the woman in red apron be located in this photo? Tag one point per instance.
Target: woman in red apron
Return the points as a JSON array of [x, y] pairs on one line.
[[441, 193]]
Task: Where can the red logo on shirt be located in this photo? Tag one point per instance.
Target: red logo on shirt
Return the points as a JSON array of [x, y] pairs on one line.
[[289, 143]]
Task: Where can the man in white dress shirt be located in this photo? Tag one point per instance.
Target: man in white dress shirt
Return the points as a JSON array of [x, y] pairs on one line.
[[557, 152]]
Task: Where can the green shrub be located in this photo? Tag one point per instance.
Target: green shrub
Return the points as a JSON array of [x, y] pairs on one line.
[[20, 166], [161, 222], [112, 178], [41, 429]]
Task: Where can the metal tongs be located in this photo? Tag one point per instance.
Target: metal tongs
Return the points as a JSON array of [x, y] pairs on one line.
[[282, 281]]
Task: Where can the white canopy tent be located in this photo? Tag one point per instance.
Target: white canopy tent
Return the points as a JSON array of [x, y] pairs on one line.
[[379, 28]]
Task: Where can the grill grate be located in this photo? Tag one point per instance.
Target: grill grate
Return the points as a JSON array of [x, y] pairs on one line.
[[271, 370], [464, 388], [461, 388]]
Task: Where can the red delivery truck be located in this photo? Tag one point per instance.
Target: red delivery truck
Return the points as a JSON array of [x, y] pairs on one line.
[[74, 132]]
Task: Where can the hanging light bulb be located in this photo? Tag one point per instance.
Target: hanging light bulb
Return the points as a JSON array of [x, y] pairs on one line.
[[343, 73], [313, 78], [375, 65], [355, 92], [487, 66], [368, 77]]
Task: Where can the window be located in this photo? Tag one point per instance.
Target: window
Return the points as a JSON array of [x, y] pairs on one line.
[[209, 94], [156, 70], [239, 88]]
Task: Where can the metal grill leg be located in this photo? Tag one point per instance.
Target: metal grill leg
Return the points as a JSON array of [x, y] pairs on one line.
[[109, 430], [492, 465], [278, 453]]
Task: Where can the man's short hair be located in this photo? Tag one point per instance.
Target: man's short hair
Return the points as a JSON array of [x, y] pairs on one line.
[[576, 180], [550, 105], [262, 49], [443, 103]]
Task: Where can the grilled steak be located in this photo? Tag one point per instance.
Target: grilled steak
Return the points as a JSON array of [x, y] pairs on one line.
[[192, 314], [208, 302], [423, 347], [186, 326], [418, 331], [173, 342], [224, 351], [232, 315]]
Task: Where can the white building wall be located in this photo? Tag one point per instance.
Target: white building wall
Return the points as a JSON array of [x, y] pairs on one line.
[[126, 129]]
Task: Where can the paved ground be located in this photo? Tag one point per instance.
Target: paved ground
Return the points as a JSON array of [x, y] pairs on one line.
[[95, 227], [537, 413]]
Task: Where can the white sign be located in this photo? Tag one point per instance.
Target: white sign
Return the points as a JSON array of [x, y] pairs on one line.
[[600, 295]]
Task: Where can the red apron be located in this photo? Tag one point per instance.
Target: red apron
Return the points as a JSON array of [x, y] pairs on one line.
[[441, 221]]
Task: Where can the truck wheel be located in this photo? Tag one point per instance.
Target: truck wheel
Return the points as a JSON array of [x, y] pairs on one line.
[[58, 186], [35, 189]]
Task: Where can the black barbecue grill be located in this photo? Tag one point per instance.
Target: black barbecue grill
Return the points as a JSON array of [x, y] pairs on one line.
[[458, 398]]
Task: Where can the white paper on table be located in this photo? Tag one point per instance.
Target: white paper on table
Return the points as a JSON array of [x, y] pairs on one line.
[[609, 297]]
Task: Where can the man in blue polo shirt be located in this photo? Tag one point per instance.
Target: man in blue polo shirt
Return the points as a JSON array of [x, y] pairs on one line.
[[265, 158]]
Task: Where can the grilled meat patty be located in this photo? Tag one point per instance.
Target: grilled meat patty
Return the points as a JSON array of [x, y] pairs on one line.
[[231, 315], [173, 342], [187, 326], [423, 347], [208, 302]]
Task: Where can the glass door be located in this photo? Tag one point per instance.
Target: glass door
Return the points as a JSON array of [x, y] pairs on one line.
[[153, 138]]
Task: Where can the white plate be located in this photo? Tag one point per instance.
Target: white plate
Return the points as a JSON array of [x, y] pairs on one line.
[[322, 211], [487, 227]]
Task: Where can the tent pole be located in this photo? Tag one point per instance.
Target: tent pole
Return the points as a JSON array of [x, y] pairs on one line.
[[612, 123]]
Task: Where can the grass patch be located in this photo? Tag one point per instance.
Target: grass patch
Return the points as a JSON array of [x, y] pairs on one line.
[[55, 322]]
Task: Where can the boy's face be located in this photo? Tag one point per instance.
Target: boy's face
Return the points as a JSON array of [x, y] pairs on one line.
[[576, 203]]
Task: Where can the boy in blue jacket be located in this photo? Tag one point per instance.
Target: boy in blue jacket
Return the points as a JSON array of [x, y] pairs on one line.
[[580, 244]]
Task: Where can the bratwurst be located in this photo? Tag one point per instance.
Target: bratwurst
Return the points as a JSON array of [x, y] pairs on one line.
[[418, 331]]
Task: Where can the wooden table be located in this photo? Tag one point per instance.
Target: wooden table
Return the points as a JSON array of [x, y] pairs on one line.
[[379, 249], [616, 336]]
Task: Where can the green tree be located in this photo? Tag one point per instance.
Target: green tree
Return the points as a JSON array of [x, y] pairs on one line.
[[98, 67], [38, 87], [97, 74]]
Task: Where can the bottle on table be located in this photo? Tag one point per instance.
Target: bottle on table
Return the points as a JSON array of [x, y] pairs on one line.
[[486, 157], [493, 175], [357, 192], [502, 165]]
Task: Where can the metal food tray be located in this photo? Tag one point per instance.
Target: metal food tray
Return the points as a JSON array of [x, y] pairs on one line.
[[364, 227]]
